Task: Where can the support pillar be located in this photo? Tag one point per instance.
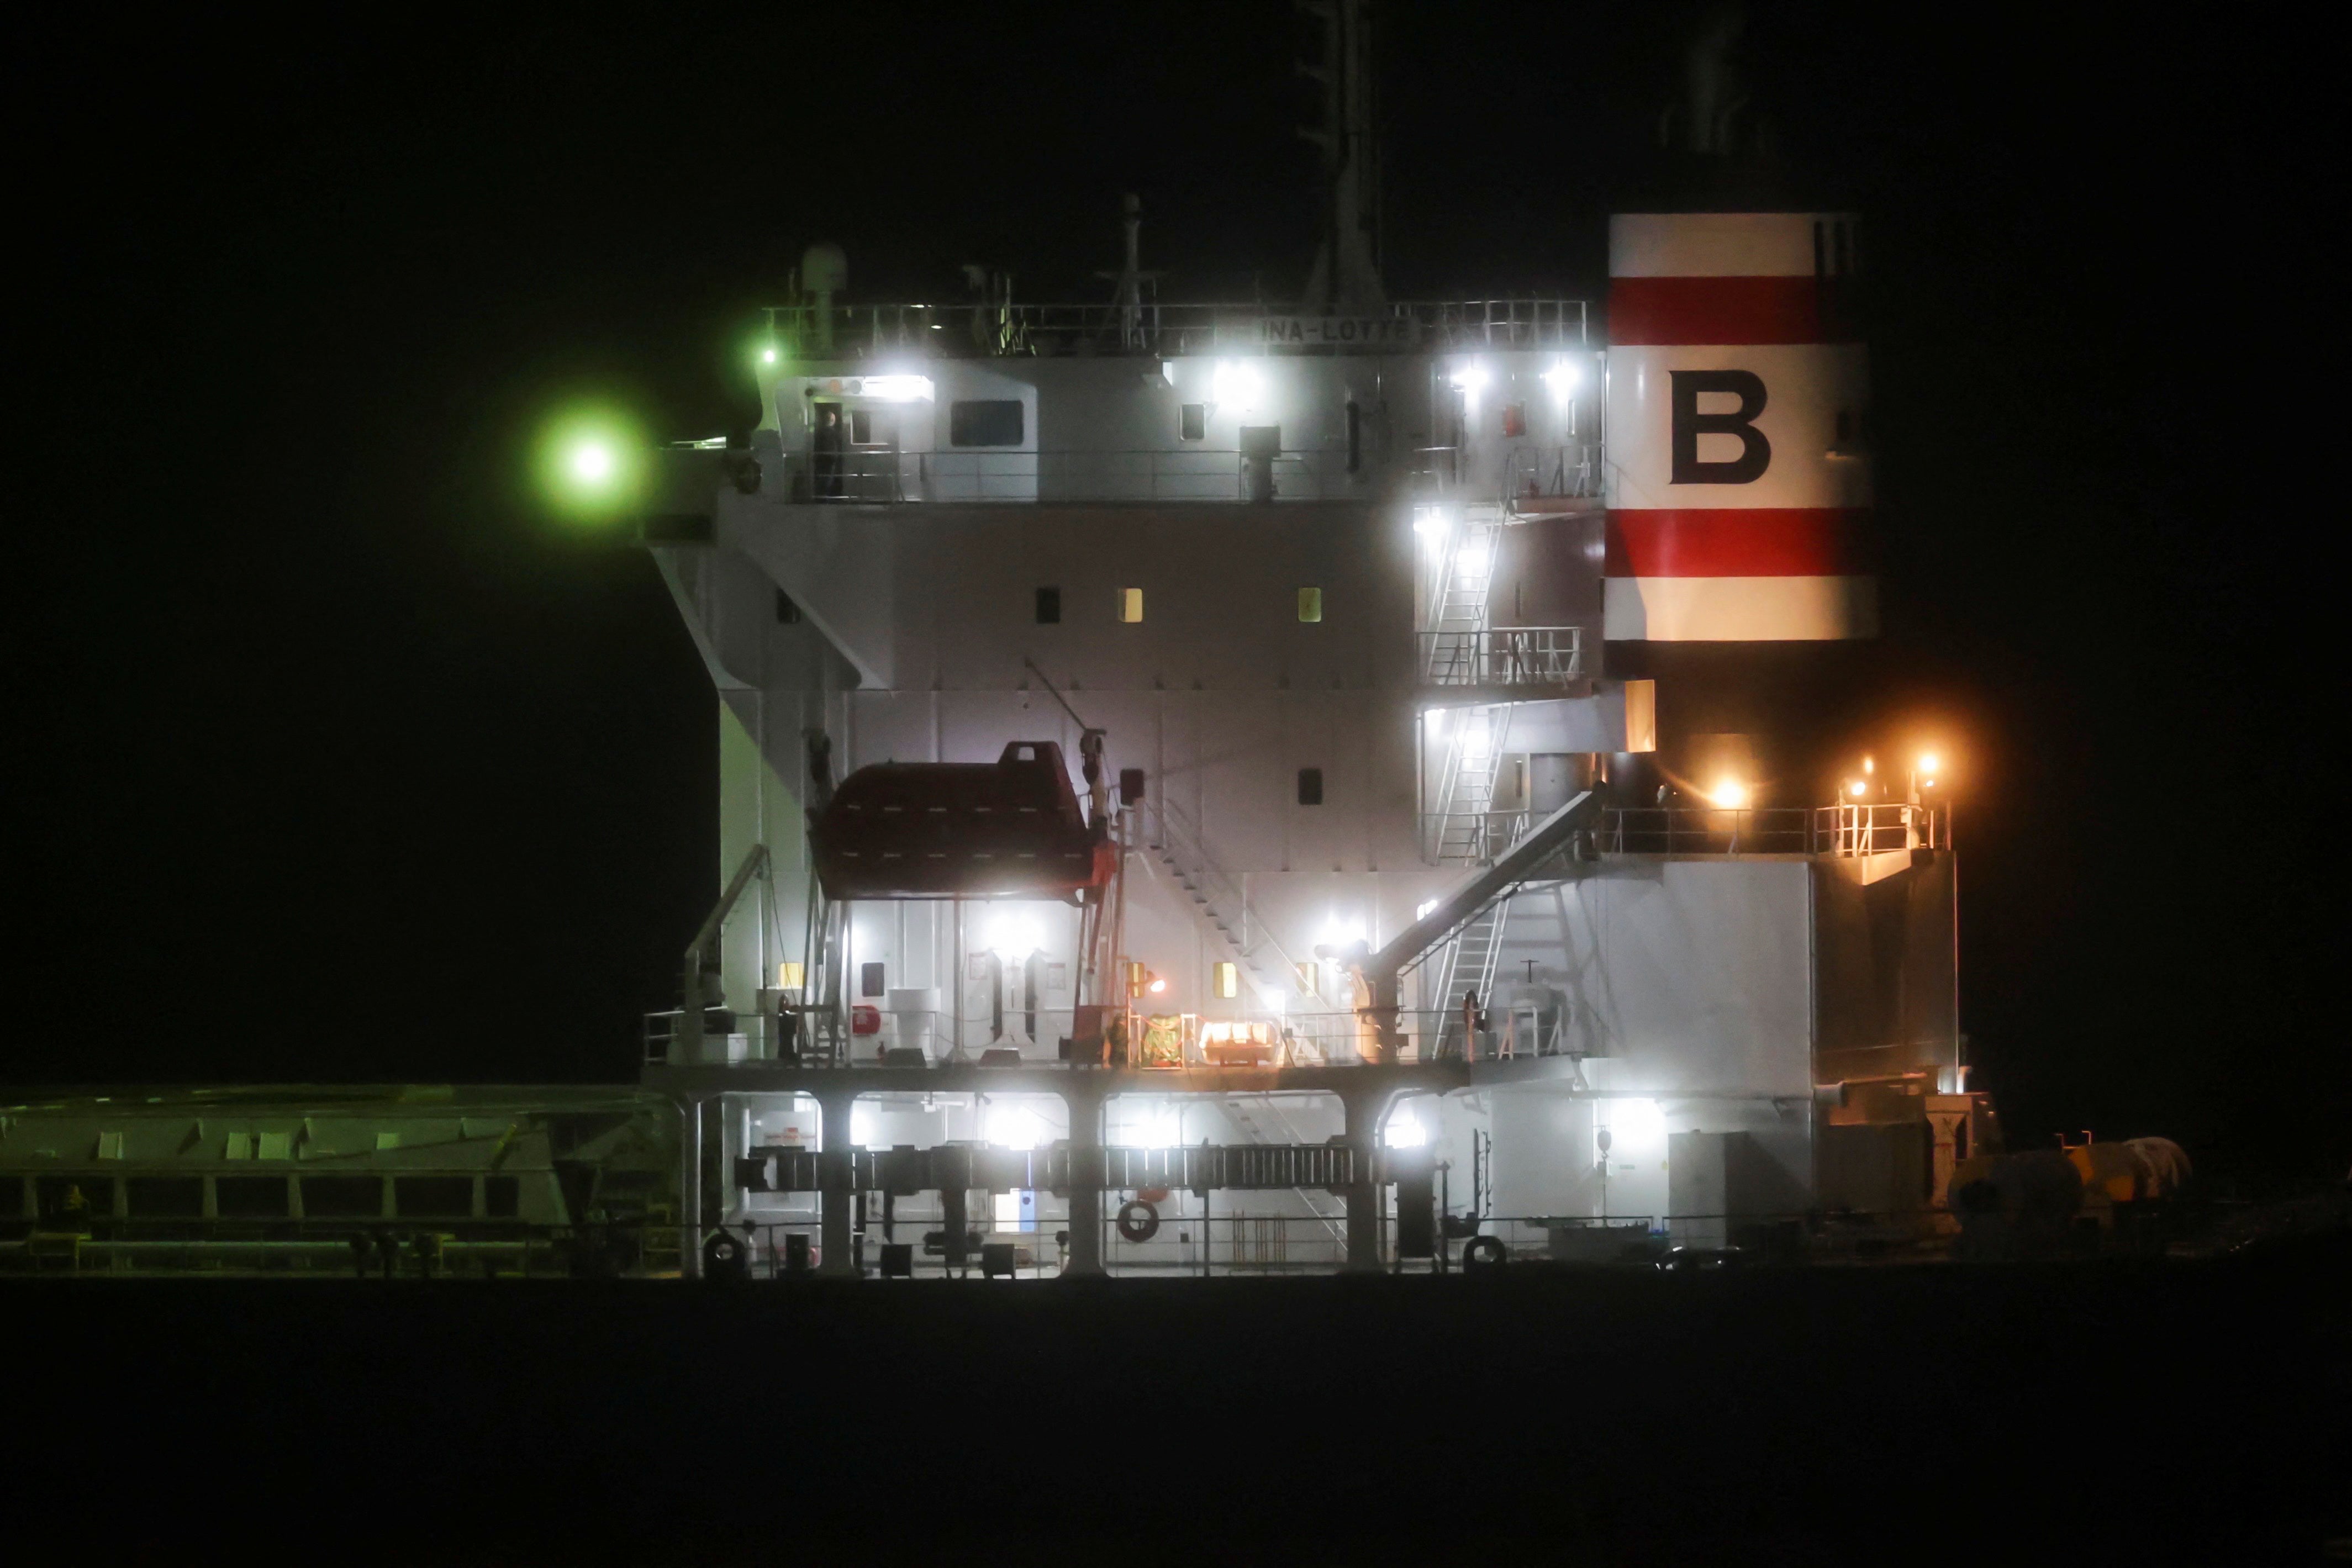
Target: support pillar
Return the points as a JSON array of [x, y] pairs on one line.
[[689, 1188], [835, 1200], [1085, 1179], [1365, 1109]]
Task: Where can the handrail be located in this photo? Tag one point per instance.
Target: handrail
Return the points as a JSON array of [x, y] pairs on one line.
[[1503, 656], [885, 476], [972, 328], [1189, 838]]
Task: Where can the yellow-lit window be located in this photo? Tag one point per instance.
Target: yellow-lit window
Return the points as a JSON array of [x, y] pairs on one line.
[[1130, 604], [1310, 604], [788, 976], [1307, 975], [1229, 980]]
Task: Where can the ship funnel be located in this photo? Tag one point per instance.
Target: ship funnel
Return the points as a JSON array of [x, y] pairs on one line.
[[825, 272]]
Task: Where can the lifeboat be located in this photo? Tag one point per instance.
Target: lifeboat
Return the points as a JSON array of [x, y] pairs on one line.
[[1007, 828]]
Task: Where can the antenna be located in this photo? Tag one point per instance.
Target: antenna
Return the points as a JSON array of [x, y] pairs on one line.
[[1347, 272]]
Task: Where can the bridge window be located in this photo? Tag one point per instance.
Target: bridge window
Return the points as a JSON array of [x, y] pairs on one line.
[[1310, 786], [1196, 421], [1310, 604], [250, 1198], [166, 1197], [55, 1198], [1049, 607], [870, 980], [985, 421], [432, 1197], [342, 1197], [1229, 980], [501, 1196], [1130, 605]]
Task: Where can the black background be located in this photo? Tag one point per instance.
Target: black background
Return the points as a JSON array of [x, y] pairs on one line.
[[337, 760]]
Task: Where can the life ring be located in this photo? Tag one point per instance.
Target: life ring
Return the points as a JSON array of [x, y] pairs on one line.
[[1137, 1221], [725, 1258], [1485, 1253]]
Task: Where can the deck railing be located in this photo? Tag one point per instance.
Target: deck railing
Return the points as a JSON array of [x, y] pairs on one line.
[[881, 476], [1504, 656], [979, 330]]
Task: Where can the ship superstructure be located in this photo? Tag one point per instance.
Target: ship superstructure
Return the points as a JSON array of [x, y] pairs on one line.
[[1317, 608]]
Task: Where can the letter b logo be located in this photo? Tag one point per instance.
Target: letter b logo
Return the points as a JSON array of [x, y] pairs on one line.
[[1756, 452]]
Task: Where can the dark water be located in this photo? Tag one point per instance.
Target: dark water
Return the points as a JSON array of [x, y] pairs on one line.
[[2184, 1412]]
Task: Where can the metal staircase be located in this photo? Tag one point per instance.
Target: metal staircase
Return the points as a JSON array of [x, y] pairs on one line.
[[1219, 907], [1333, 1219], [1465, 799], [1458, 607]]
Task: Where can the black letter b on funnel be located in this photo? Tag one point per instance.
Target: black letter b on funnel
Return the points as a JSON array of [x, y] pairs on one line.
[[1756, 452]]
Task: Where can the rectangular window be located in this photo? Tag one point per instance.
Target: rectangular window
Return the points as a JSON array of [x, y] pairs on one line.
[[343, 1197], [1515, 419], [73, 1198], [861, 427], [870, 981], [1130, 605], [166, 1197], [993, 422], [1049, 607], [501, 1196], [1310, 786], [1229, 980], [1196, 421], [250, 1198], [1306, 968], [788, 976], [1310, 604], [432, 1197]]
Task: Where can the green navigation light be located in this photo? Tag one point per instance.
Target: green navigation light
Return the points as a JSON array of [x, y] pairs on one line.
[[767, 356], [591, 465], [592, 462]]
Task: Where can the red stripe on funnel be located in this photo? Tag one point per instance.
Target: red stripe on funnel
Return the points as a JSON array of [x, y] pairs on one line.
[[1726, 541], [1664, 310]]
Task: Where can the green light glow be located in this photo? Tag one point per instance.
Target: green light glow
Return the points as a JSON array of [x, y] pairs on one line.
[[767, 356], [592, 462], [590, 465]]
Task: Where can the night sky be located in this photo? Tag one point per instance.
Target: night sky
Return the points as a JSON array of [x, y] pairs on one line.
[[335, 759]]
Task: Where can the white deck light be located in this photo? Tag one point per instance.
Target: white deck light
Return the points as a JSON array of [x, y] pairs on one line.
[[1236, 385]]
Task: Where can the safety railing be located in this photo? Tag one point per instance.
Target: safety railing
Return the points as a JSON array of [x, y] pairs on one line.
[[1471, 838], [395, 1249], [1531, 472], [1878, 828], [1858, 829], [1503, 656], [1002, 330], [884, 476]]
